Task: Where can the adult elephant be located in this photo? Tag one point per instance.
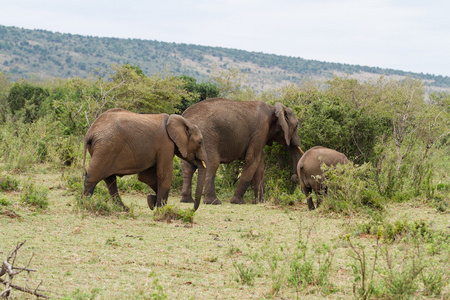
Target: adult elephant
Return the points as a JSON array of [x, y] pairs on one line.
[[237, 130], [309, 168], [121, 143]]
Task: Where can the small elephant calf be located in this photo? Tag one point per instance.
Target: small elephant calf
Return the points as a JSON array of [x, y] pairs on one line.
[[308, 168]]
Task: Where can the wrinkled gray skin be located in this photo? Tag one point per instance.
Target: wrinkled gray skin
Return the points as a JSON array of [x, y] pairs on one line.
[[122, 143], [238, 130], [308, 168]]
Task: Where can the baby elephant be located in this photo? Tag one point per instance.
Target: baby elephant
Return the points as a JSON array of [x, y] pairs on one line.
[[121, 143], [308, 168]]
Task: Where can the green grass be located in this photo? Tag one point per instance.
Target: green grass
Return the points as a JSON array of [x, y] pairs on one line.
[[228, 251]]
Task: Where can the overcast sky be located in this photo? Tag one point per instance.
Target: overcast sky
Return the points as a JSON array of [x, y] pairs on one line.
[[409, 35]]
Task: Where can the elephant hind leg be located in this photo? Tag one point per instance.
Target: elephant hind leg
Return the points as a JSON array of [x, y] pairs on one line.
[[258, 183], [89, 185], [307, 191], [111, 183]]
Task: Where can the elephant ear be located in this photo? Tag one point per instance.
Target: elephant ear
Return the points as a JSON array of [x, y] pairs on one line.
[[280, 112], [178, 130]]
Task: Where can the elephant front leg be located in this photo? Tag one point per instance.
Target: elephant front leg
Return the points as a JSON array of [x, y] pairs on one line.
[[210, 188], [188, 171]]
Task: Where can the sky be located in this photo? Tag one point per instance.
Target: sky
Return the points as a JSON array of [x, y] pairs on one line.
[[408, 35]]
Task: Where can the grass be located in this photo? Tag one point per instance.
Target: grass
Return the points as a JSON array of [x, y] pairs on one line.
[[227, 251]]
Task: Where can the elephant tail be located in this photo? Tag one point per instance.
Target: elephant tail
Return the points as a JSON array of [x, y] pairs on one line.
[[86, 142]]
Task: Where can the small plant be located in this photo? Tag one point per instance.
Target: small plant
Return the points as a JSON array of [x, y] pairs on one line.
[[98, 204], [311, 268], [246, 274], [112, 242], [397, 230], [4, 201], [233, 250], [434, 281], [363, 282], [35, 196], [80, 295], [157, 290], [169, 212], [401, 273], [8, 184]]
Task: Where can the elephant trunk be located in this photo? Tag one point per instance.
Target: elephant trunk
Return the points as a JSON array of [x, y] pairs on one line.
[[200, 184], [296, 154]]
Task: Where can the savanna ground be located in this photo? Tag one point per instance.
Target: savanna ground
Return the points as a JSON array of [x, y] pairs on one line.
[[228, 251], [382, 232]]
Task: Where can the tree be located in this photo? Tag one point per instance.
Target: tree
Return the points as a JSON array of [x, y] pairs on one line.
[[25, 99], [197, 92], [4, 90], [231, 84]]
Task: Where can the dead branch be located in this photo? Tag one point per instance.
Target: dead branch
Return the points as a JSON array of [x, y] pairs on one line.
[[9, 269]]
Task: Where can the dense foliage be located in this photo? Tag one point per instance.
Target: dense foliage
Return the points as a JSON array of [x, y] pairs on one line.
[[389, 125]]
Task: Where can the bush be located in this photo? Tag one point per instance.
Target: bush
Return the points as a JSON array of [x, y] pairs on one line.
[[35, 196], [169, 212], [25, 100], [8, 184], [350, 189], [4, 201], [311, 269], [98, 204]]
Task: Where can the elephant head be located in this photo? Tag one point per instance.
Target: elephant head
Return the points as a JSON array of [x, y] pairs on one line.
[[288, 135], [188, 139]]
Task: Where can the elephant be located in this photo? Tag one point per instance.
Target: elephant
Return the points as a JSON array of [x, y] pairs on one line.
[[237, 130], [121, 143], [309, 167]]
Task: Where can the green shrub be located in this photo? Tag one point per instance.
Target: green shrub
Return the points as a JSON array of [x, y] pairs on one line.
[[4, 201], [99, 204], [434, 280], [246, 273], [25, 100], [399, 229], [350, 189], [311, 267], [132, 184], [169, 212], [35, 196], [8, 183]]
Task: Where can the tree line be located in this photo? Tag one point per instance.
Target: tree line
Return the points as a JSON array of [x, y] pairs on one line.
[[49, 54]]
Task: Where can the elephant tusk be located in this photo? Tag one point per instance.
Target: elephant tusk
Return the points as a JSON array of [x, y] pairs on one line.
[[204, 164], [300, 149]]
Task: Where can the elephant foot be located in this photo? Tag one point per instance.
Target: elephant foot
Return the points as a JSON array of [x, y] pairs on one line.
[[120, 203], [213, 201], [151, 201], [257, 200], [187, 199], [237, 200]]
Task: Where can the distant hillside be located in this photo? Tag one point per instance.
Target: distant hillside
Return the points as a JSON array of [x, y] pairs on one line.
[[27, 53]]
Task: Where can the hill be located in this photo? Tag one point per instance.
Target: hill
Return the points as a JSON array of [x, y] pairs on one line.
[[27, 53]]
